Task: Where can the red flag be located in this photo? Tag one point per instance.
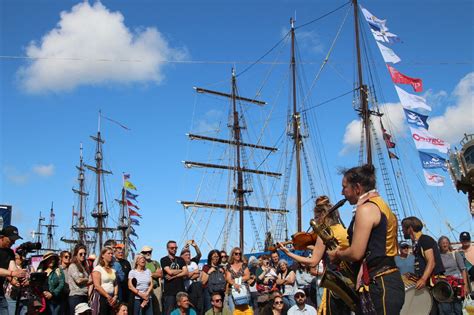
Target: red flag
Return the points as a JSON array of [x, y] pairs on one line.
[[131, 212], [130, 204], [387, 137], [392, 155], [398, 77]]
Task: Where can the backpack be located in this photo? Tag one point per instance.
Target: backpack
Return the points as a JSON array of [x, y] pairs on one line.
[[216, 282]]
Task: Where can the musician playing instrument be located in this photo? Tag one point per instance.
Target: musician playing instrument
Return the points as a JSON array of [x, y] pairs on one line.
[[428, 261], [330, 304], [373, 244]]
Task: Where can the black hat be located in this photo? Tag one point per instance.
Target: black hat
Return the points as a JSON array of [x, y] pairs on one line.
[[404, 245], [464, 236], [11, 232]]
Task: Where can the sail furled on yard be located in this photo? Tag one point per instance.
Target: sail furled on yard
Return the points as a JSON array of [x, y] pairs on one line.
[[415, 107]]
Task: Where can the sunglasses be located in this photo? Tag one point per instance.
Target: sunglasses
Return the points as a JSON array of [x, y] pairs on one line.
[[237, 254], [66, 257], [146, 253], [217, 301], [278, 302], [299, 296], [224, 256], [176, 247], [81, 254]]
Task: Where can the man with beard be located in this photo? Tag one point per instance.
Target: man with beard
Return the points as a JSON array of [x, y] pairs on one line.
[[301, 308], [175, 271], [428, 261]]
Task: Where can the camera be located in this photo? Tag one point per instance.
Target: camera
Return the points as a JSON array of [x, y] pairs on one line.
[[27, 247]]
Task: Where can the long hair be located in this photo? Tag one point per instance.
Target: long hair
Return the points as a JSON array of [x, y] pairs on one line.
[[102, 252], [321, 208], [442, 238], [231, 258], [412, 222], [81, 266], [363, 175], [211, 253]]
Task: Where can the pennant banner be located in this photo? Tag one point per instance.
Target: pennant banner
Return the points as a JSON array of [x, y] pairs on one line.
[[126, 176], [400, 78], [416, 120], [431, 160], [433, 179], [411, 101], [424, 140], [129, 185], [130, 195], [130, 204], [133, 213], [388, 54], [134, 222], [392, 155]]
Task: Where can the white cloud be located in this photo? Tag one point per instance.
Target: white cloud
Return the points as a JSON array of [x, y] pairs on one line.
[[210, 123], [308, 40], [15, 176], [393, 120], [91, 46], [458, 118], [44, 170]]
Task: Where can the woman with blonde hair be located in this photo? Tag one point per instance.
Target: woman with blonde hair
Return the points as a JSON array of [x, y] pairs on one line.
[[237, 274], [140, 283], [105, 284]]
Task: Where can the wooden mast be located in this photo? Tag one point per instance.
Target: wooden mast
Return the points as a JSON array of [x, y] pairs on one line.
[[237, 169], [364, 111], [296, 131]]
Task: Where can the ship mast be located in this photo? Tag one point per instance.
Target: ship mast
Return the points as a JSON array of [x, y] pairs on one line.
[[39, 229], [124, 224], [81, 226], [364, 111], [99, 214], [50, 230], [237, 169], [296, 132]]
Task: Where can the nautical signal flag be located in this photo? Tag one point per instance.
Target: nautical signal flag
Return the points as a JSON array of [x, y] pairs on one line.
[[433, 179], [129, 185], [411, 101], [392, 155], [387, 54], [126, 176], [134, 221], [400, 78], [130, 204], [130, 195], [431, 160], [415, 119], [374, 21], [425, 140], [387, 137], [133, 213]]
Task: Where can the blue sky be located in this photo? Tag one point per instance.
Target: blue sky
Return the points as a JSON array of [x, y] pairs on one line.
[[109, 56]]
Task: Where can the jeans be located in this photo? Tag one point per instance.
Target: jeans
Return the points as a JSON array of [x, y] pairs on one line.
[[23, 306], [138, 310], [54, 308], [169, 304], [453, 308], [289, 300]]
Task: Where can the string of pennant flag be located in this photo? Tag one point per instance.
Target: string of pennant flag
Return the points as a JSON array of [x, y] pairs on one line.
[[131, 200], [414, 106]]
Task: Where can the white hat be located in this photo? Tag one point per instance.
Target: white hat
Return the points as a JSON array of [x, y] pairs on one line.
[[300, 291], [146, 249], [81, 308]]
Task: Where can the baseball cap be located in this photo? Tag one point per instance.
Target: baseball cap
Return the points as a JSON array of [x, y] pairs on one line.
[[464, 236], [122, 246], [81, 308], [11, 232], [146, 249], [300, 291], [404, 245]]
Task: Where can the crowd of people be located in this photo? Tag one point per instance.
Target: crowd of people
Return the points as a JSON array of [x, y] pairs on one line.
[[366, 263]]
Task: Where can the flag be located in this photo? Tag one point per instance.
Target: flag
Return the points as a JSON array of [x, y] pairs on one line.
[[129, 195], [411, 101], [126, 176], [132, 243], [384, 37], [425, 140], [134, 222], [387, 137], [431, 160], [75, 214], [132, 232], [392, 155], [433, 179], [129, 185], [132, 212], [400, 78], [130, 204], [374, 21], [415, 119], [387, 54]]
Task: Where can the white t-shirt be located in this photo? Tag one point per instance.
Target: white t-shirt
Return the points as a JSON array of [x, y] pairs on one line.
[[143, 279], [107, 279], [191, 267], [307, 310]]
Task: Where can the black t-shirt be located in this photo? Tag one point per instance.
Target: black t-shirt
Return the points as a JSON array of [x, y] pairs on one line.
[[424, 243], [177, 284], [6, 255]]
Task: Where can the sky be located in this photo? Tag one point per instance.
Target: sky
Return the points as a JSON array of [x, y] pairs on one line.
[[138, 61]]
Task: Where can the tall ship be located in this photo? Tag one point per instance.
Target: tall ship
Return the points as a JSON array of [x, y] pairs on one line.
[[252, 195]]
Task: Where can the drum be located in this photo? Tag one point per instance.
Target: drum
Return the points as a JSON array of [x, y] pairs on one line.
[[416, 301]]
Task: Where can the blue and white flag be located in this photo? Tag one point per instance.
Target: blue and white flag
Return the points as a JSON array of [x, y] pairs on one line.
[[134, 222], [433, 179], [415, 119], [374, 21], [130, 195], [425, 140], [431, 160], [384, 37], [411, 101]]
